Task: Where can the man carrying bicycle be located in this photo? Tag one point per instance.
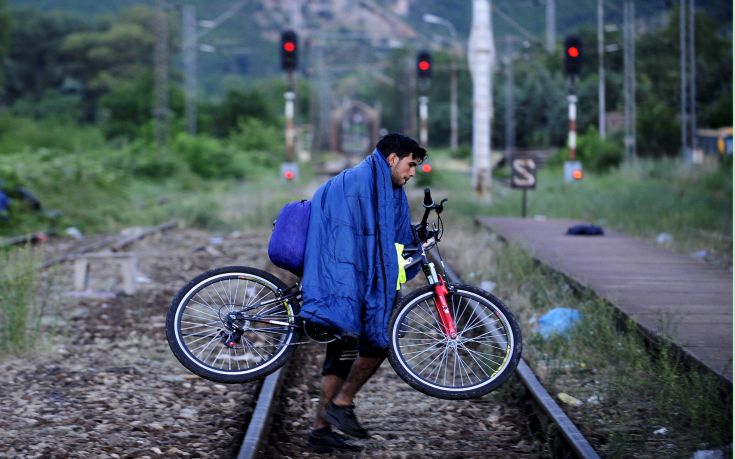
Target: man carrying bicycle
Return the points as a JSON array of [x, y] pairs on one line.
[[350, 276]]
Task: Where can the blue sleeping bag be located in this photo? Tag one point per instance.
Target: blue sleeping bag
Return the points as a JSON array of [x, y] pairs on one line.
[[350, 266]]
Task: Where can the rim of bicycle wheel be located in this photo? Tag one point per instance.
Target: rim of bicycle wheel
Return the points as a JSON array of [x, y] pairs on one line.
[[427, 358], [209, 349]]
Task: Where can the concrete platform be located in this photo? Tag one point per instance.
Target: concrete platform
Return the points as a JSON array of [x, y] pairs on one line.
[[665, 292]]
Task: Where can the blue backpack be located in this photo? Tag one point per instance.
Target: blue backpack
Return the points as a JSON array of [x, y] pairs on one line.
[[288, 240]]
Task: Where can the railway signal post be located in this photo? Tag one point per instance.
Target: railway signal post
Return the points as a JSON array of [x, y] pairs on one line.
[[289, 63], [572, 67], [423, 70]]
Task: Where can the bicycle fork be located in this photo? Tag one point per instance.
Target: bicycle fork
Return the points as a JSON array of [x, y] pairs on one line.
[[440, 301]]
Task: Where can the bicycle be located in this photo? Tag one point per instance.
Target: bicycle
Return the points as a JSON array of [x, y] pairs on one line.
[[453, 341]]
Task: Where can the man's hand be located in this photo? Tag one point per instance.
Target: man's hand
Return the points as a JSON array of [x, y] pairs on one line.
[[428, 243]]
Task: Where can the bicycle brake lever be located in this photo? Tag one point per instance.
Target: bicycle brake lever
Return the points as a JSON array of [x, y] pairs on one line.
[[440, 206]]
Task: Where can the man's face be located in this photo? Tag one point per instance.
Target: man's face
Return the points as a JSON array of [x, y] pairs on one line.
[[401, 169]]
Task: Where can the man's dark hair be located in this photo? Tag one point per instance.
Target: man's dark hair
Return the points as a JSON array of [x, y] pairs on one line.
[[402, 146]]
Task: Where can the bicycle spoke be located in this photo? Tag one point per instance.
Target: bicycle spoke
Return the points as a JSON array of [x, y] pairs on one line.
[[473, 359], [203, 330]]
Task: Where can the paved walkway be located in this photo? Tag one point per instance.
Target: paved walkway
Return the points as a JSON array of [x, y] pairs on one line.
[[662, 291]]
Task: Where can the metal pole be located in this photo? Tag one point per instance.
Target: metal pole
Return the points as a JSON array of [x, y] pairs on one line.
[[683, 75], [411, 111], [189, 46], [290, 131], [601, 70], [510, 128], [629, 78], [693, 79], [634, 143], [424, 120], [160, 62], [453, 124], [550, 26], [523, 207], [572, 140]]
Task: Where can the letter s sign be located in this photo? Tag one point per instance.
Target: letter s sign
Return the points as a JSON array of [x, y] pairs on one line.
[[524, 173]]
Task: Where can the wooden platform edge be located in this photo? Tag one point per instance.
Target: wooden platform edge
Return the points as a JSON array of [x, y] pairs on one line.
[[651, 336]]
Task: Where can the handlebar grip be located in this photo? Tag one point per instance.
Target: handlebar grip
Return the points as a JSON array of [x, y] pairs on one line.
[[428, 201]]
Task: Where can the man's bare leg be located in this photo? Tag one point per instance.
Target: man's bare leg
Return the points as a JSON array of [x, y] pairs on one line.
[[330, 386], [362, 369]]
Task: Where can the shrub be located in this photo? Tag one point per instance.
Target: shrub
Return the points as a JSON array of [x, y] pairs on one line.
[[23, 134], [261, 143], [89, 193], [142, 159], [463, 151], [207, 157], [595, 154]]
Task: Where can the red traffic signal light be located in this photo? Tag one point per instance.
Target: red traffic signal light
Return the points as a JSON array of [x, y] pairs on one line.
[[423, 64], [572, 55], [289, 50], [289, 172]]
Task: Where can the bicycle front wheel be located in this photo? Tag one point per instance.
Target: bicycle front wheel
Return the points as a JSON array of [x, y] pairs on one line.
[[482, 356], [228, 325]]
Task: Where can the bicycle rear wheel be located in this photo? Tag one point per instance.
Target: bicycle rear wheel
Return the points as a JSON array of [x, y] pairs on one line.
[[228, 325], [484, 354]]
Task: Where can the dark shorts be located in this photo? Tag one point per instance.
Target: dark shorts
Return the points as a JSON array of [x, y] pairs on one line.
[[342, 353]]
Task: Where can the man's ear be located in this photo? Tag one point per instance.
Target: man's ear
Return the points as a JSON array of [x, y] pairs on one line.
[[392, 159]]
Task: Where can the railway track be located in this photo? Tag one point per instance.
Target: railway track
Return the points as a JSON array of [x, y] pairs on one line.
[[514, 421], [114, 388], [106, 384]]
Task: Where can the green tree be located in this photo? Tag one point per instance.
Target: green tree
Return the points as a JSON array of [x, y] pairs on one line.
[[4, 28], [119, 52], [34, 64], [659, 83]]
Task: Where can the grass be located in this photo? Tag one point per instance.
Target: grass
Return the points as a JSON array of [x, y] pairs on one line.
[[643, 199], [645, 387], [23, 301], [628, 388]]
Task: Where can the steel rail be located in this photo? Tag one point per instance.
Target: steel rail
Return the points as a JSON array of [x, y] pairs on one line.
[[571, 434], [259, 425], [260, 421]]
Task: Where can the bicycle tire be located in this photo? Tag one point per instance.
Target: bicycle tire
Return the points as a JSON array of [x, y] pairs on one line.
[[486, 352], [196, 325]]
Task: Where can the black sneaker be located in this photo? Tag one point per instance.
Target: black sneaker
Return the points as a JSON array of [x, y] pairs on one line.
[[343, 418], [325, 440]]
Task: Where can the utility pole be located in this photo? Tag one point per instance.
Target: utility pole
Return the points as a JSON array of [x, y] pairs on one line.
[[424, 120], [453, 112], [160, 63], [423, 72], [550, 25], [189, 47], [481, 50], [410, 107], [692, 78], [629, 78], [683, 78], [510, 128], [601, 128]]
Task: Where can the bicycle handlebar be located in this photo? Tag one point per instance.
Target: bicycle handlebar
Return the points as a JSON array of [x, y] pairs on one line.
[[429, 205]]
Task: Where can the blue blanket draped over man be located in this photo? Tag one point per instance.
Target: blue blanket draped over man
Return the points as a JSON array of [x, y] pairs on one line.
[[350, 266]]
